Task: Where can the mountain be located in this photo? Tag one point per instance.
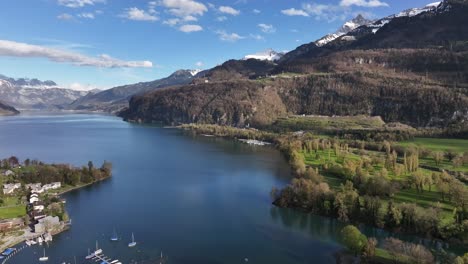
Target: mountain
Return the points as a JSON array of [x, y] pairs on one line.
[[29, 83], [7, 110], [115, 99], [411, 67], [347, 27], [33, 94], [266, 55]]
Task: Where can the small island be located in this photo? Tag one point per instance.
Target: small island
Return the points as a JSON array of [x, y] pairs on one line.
[[31, 209]]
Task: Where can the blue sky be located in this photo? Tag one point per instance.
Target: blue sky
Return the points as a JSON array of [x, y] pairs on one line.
[[105, 43]]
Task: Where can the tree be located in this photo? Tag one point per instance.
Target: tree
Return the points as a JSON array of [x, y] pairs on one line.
[[90, 166], [353, 239], [438, 157], [393, 216], [369, 249]]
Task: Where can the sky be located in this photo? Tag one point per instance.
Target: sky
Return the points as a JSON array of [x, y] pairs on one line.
[[87, 44]]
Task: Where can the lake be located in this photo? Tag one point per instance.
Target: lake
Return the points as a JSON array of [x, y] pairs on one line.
[[197, 199]]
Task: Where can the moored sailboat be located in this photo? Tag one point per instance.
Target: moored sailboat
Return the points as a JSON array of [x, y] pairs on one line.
[[44, 258], [133, 243]]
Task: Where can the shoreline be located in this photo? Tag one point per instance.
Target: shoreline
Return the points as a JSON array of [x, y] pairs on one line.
[[21, 239], [82, 186], [197, 131]]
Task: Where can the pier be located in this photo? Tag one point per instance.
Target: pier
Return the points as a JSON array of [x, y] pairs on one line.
[[101, 258]]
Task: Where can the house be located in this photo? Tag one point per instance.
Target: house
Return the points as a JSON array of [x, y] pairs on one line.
[[46, 224], [38, 206], [38, 190], [9, 188], [50, 186], [33, 199], [35, 187], [8, 224], [36, 215], [8, 173]]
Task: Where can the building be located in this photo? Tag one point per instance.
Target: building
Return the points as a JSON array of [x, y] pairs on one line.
[[38, 206], [46, 224], [9, 188], [9, 224], [51, 186], [33, 199], [33, 185], [37, 215]]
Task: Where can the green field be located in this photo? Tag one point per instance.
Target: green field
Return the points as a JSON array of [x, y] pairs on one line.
[[322, 123], [438, 144], [12, 212], [428, 198]]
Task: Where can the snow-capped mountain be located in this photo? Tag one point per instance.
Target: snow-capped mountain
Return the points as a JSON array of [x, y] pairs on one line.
[[416, 11], [29, 83], [266, 55], [195, 72], [35, 94], [347, 27], [376, 25]]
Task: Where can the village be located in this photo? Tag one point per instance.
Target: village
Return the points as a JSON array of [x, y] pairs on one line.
[[45, 215]]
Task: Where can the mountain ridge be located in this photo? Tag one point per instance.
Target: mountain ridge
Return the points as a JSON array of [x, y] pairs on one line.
[[385, 73], [117, 98]]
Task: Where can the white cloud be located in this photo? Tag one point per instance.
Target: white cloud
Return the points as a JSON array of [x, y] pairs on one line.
[[329, 13], [256, 11], [363, 3], [199, 64], [23, 50], [294, 12], [190, 28], [134, 13], [221, 18], [183, 8], [86, 15], [65, 16], [79, 3], [265, 28], [152, 7], [229, 37], [257, 37], [81, 87], [172, 21], [190, 18], [229, 10]]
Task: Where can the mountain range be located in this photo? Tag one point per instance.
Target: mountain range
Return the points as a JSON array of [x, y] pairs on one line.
[[117, 98], [33, 94], [411, 67]]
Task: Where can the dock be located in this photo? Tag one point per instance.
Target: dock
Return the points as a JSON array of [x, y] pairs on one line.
[[103, 259]]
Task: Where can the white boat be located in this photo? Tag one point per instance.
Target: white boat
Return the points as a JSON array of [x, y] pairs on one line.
[[115, 262], [90, 255], [98, 250], [114, 236], [44, 258], [133, 243]]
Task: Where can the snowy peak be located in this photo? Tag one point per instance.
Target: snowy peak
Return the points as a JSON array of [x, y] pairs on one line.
[[416, 11], [28, 83], [195, 72], [347, 27], [266, 55]]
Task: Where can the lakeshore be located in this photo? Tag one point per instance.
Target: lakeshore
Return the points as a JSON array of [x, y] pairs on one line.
[[191, 204], [37, 221], [325, 167]]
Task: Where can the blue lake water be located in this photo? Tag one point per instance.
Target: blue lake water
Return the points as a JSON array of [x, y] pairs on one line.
[[197, 199]]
